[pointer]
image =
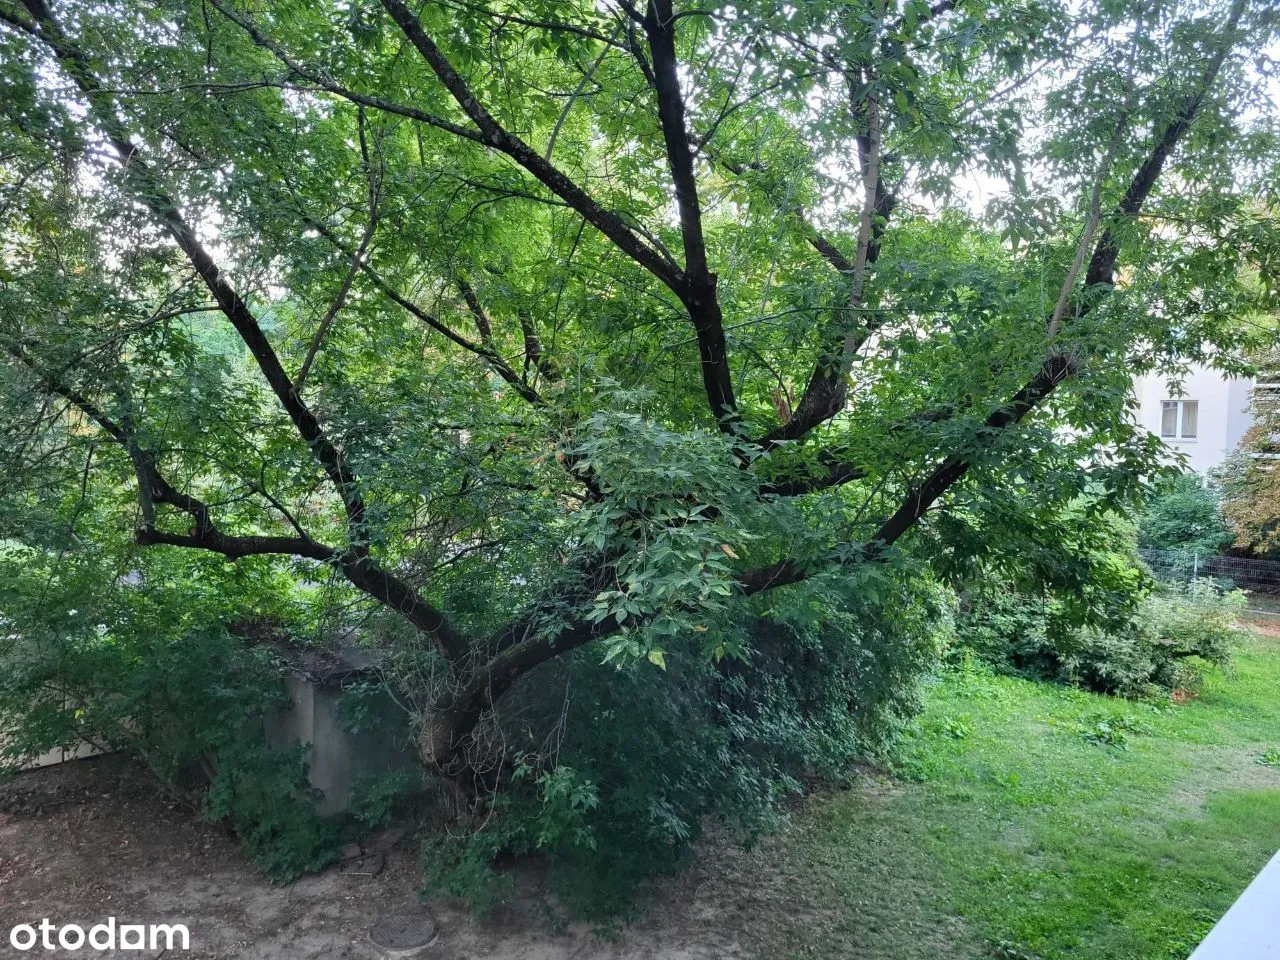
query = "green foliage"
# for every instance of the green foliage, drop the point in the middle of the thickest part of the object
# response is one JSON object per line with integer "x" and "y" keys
{"x": 362, "y": 707}
{"x": 1090, "y": 615}
{"x": 1155, "y": 648}
{"x": 643, "y": 755}
{"x": 1007, "y": 629}
{"x": 1197, "y": 619}
{"x": 267, "y": 799}
{"x": 148, "y": 664}
{"x": 380, "y": 797}
{"x": 1270, "y": 758}
{"x": 508, "y": 448}
{"x": 461, "y": 865}
{"x": 1184, "y": 514}
{"x": 1111, "y": 729}
{"x": 954, "y": 728}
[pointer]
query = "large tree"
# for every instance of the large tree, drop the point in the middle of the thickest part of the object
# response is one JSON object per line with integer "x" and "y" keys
{"x": 562, "y": 322}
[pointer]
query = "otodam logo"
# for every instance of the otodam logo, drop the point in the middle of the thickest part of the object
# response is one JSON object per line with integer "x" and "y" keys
{"x": 46, "y": 935}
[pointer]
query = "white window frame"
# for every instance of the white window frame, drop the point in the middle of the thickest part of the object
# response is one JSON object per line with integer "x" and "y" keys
{"x": 1179, "y": 423}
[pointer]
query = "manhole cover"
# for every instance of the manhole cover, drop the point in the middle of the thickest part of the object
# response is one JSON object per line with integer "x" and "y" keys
{"x": 402, "y": 934}
{"x": 370, "y": 865}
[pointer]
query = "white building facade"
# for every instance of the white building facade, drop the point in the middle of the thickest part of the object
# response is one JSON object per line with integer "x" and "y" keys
{"x": 1203, "y": 418}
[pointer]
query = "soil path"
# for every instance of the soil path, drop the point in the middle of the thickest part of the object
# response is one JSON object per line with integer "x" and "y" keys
{"x": 89, "y": 840}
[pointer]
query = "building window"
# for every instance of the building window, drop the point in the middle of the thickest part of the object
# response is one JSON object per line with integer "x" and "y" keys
{"x": 1179, "y": 419}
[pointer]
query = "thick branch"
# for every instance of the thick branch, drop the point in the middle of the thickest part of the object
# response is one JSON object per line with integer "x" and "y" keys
{"x": 493, "y": 134}
{"x": 148, "y": 191}
{"x": 699, "y": 293}
{"x": 233, "y": 548}
{"x": 358, "y": 568}
{"x": 660, "y": 30}
{"x": 834, "y": 473}
{"x": 533, "y": 357}
{"x": 483, "y": 326}
{"x": 697, "y": 288}
{"x": 1101, "y": 277}
{"x": 1094, "y": 217}
{"x": 1057, "y": 368}
{"x": 825, "y": 393}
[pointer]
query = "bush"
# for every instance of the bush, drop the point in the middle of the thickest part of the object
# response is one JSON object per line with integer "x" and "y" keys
{"x": 191, "y": 709}
{"x": 607, "y": 772}
{"x": 1186, "y": 514}
{"x": 641, "y": 756}
{"x": 1158, "y": 648}
{"x": 1008, "y": 630}
{"x": 1198, "y": 619}
{"x": 150, "y": 665}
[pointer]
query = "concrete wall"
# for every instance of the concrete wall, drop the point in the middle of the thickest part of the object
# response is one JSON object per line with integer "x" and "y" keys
{"x": 339, "y": 758}
{"x": 1239, "y": 416}
{"x": 62, "y": 755}
{"x": 1223, "y": 414}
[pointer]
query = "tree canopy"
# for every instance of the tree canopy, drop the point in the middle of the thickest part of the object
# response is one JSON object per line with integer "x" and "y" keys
{"x": 545, "y": 324}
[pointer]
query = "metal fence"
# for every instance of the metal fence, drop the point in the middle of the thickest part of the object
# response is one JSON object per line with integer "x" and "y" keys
{"x": 1260, "y": 579}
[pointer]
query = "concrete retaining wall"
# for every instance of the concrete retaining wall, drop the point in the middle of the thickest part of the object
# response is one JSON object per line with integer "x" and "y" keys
{"x": 314, "y": 718}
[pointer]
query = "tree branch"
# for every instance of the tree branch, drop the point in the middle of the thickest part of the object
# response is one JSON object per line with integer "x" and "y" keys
{"x": 328, "y": 84}
{"x": 834, "y": 473}
{"x": 357, "y": 566}
{"x": 483, "y": 326}
{"x": 696, "y": 289}
{"x": 552, "y": 26}
{"x": 494, "y": 135}
{"x": 698, "y": 293}
{"x": 533, "y": 350}
{"x": 573, "y": 98}
{"x": 1094, "y": 216}
{"x": 817, "y": 239}
{"x": 483, "y": 350}
{"x": 357, "y": 260}
{"x": 1059, "y": 366}
{"x": 233, "y": 548}
{"x": 827, "y": 390}
{"x": 148, "y": 191}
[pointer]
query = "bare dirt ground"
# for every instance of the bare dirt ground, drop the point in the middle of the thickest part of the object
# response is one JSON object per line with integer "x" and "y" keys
{"x": 91, "y": 839}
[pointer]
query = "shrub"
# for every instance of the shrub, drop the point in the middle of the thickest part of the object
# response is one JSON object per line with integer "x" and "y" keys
{"x": 151, "y": 666}
{"x": 1009, "y": 630}
{"x": 641, "y": 756}
{"x": 1185, "y": 514}
{"x": 191, "y": 709}
{"x": 607, "y": 772}
{"x": 1250, "y": 483}
{"x": 266, "y": 798}
{"x": 1198, "y": 619}
{"x": 1155, "y": 648}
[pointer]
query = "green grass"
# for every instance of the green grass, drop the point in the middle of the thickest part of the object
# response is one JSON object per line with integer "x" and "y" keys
{"x": 1032, "y": 820}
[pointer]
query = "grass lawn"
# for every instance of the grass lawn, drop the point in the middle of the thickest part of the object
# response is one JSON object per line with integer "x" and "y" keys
{"x": 1036, "y": 821}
